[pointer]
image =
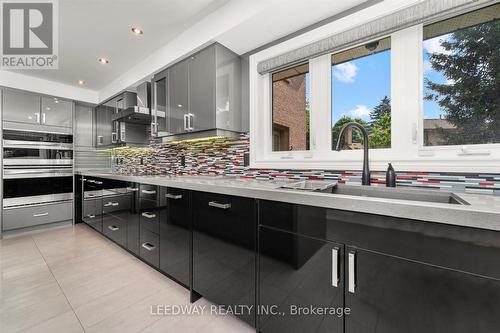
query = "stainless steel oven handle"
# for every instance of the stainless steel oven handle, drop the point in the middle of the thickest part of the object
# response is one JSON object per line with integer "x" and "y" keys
{"x": 40, "y": 214}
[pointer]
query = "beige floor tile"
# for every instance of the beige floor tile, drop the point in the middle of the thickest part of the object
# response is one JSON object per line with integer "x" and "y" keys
{"x": 66, "y": 322}
{"x": 138, "y": 316}
{"x": 227, "y": 324}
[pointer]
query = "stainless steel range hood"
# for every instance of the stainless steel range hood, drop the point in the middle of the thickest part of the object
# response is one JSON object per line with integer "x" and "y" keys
{"x": 139, "y": 113}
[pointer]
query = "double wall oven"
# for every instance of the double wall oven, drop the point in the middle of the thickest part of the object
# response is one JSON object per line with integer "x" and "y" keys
{"x": 37, "y": 178}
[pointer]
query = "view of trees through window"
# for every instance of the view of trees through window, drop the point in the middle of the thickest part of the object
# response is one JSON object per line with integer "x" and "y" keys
{"x": 461, "y": 79}
{"x": 361, "y": 90}
{"x": 290, "y": 109}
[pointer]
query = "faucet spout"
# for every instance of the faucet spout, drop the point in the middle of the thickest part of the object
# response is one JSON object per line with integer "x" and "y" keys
{"x": 365, "y": 178}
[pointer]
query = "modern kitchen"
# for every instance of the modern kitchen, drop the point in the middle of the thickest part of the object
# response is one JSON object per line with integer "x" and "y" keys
{"x": 267, "y": 166}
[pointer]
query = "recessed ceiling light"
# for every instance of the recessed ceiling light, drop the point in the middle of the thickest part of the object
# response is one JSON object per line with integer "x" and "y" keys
{"x": 81, "y": 82}
{"x": 137, "y": 31}
{"x": 103, "y": 61}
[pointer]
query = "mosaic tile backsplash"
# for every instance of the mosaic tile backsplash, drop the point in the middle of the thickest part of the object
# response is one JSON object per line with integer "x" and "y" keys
{"x": 225, "y": 156}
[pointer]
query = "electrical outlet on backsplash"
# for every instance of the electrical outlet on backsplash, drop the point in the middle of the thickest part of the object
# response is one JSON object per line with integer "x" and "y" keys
{"x": 226, "y": 156}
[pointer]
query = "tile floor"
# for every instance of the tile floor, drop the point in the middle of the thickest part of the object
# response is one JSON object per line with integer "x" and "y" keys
{"x": 72, "y": 279}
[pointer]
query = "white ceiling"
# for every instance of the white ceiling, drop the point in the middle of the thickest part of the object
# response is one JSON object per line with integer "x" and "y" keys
{"x": 90, "y": 29}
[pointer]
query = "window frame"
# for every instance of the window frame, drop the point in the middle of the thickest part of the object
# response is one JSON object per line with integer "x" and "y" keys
{"x": 407, "y": 151}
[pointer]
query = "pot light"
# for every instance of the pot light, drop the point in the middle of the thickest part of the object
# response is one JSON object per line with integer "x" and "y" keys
{"x": 137, "y": 31}
{"x": 81, "y": 82}
{"x": 103, "y": 61}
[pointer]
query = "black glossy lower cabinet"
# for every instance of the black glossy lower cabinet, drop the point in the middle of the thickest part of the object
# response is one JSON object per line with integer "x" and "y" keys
{"x": 92, "y": 202}
{"x": 175, "y": 233}
{"x": 393, "y": 295}
{"x": 224, "y": 256}
{"x": 149, "y": 227}
{"x": 296, "y": 273}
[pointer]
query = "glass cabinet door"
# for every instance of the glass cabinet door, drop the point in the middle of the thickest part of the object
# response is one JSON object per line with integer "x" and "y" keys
{"x": 159, "y": 125}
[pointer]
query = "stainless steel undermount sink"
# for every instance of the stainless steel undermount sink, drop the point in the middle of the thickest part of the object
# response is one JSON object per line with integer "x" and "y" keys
{"x": 400, "y": 194}
{"x": 310, "y": 185}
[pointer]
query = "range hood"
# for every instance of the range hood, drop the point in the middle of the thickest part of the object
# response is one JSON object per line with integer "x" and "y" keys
{"x": 139, "y": 113}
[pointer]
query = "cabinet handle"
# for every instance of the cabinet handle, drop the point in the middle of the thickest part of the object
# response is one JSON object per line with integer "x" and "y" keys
{"x": 91, "y": 216}
{"x": 40, "y": 214}
{"x": 148, "y": 246}
{"x": 186, "y": 122}
{"x": 90, "y": 180}
{"x": 37, "y": 116}
{"x": 219, "y": 205}
{"x": 335, "y": 267}
{"x": 43, "y": 118}
{"x": 148, "y": 215}
{"x": 191, "y": 121}
{"x": 352, "y": 272}
{"x": 98, "y": 182}
{"x": 148, "y": 191}
{"x": 114, "y": 137}
{"x": 100, "y": 140}
{"x": 113, "y": 228}
{"x": 173, "y": 196}
{"x": 111, "y": 203}
{"x": 153, "y": 129}
{"x": 133, "y": 189}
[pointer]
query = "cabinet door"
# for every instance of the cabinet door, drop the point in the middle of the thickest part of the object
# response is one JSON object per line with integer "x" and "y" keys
{"x": 56, "y": 112}
{"x": 224, "y": 256}
{"x": 178, "y": 95}
{"x": 132, "y": 218}
{"x": 175, "y": 234}
{"x": 84, "y": 126}
{"x": 202, "y": 90}
{"x": 92, "y": 203}
{"x": 299, "y": 272}
{"x": 392, "y": 295}
{"x": 160, "y": 103}
{"x": 21, "y": 107}
{"x": 104, "y": 125}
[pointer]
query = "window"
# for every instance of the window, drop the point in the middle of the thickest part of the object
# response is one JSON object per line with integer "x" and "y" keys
{"x": 361, "y": 92}
{"x": 290, "y": 109}
{"x": 461, "y": 88}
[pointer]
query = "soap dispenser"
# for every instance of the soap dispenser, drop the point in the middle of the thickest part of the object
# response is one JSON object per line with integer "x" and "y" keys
{"x": 390, "y": 177}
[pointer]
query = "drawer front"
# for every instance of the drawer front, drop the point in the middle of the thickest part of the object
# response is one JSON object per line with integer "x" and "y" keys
{"x": 116, "y": 203}
{"x": 23, "y": 217}
{"x": 149, "y": 247}
{"x": 115, "y": 228}
{"x": 150, "y": 220}
{"x": 145, "y": 204}
{"x": 92, "y": 207}
{"x": 149, "y": 192}
{"x": 225, "y": 217}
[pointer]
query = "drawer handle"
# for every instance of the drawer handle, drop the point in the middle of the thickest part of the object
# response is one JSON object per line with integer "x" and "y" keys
{"x": 173, "y": 196}
{"x": 111, "y": 203}
{"x": 352, "y": 272}
{"x": 113, "y": 228}
{"x": 148, "y": 215}
{"x": 133, "y": 189}
{"x": 40, "y": 214}
{"x": 90, "y": 180}
{"x": 148, "y": 191}
{"x": 148, "y": 246}
{"x": 98, "y": 183}
{"x": 219, "y": 205}
{"x": 91, "y": 216}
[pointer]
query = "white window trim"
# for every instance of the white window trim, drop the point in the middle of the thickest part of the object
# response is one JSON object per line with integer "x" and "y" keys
{"x": 407, "y": 151}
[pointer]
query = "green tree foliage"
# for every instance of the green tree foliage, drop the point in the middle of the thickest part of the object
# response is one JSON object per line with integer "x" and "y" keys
{"x": 380, "y": 132}
{"x": 472, "y": 101}
{"x": 383, "y": 108}
{"x": 356, "y": 134}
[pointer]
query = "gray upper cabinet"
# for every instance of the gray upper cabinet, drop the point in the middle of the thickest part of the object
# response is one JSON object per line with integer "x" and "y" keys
{"x": 21, "y": 107}
{"x": 160, "y": 120}
{"x": 84, "y": 126}
{"x": 199, "y": 93}
{"x": 104, "y": 125}
{"x": 202, "y": 90}
{"x": 56, "y": 112}
{"x": 45, "y": 112}
{"x": 179, "y": 97}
